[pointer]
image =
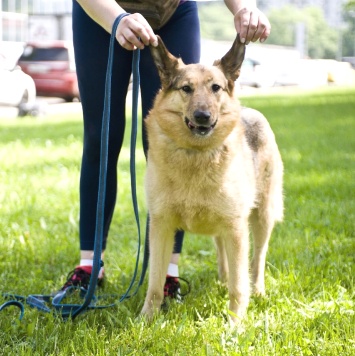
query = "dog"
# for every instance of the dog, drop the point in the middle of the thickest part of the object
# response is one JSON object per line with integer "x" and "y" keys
{"x": 213, "y": 168}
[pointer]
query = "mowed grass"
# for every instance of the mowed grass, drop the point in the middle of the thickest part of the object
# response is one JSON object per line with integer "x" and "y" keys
{"x": 309, "y": 307}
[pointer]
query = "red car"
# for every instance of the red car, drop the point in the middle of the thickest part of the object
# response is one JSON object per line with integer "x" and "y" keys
{"x": 52, "y": 67}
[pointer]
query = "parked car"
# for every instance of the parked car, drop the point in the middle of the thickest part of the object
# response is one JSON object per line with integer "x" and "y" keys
{"x": 16, "y": 88}
{"x": 52, "y": 66}
{"x": 255, "y": 74}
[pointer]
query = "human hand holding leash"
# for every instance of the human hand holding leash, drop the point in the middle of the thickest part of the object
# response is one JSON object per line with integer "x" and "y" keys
{"x": 134, "y": 32}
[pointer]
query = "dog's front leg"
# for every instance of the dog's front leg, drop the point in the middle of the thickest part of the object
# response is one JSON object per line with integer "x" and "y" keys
{"x": 161, "y": 241}
{"x": 237, "y": 249}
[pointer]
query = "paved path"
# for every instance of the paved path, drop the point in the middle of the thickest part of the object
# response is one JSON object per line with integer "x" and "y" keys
{"x": 47, "y": 106}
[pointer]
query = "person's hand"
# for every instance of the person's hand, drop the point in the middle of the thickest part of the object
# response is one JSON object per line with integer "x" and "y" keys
{"x": 252, "y": 25}
{"x": 135, "y": 32}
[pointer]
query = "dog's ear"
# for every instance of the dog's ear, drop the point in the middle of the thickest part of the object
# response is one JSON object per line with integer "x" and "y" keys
{"x": 231, "y": 62}
{"x": 165, "y": 62}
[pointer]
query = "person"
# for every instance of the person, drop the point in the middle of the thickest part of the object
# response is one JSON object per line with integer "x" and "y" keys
{"x": 92, "y": 24}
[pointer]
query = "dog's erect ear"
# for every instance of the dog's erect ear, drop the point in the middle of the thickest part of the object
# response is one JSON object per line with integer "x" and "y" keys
{"x": 165, "y": 62}
{"x": 232, "y": 61}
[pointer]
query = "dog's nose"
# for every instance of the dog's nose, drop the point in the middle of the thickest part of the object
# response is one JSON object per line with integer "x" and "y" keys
{"x": 202, "y": 116}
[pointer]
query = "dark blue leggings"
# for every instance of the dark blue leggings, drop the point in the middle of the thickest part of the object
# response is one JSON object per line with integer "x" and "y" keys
{"x": 91, "y": 42}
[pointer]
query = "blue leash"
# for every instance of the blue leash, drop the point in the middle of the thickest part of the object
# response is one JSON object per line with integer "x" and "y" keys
{"x": 15, "y": 303}
{"x": 73, "y": 310}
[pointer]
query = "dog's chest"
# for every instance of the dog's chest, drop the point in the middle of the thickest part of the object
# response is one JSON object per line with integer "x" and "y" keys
{"x": 201, "y": 195}
{"x": 199, "y": 218}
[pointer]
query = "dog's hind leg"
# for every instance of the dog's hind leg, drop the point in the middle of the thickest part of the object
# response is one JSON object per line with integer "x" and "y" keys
{"x": 222, "y": 260}
{"x": 261, "y": 225}
{"x": 237, "y": 250}
{"x": 161, "y": 241}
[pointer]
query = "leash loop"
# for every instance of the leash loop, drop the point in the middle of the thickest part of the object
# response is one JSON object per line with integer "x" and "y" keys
{"x": 15, "y": 303}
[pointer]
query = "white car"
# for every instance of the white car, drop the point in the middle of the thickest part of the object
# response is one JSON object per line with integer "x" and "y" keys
{"x": 255, "y": 74}
{"x": 16, "y": 88}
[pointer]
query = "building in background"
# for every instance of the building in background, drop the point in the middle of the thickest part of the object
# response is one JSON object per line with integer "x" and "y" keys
{"x": 32, "y": 20}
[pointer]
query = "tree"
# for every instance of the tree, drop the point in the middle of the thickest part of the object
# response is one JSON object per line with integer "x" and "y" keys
{"x": 321, "y": 38}
{"x": 216, "y": 21}
{"x": 349, "y": 32}
{"x": 350, "y": 5}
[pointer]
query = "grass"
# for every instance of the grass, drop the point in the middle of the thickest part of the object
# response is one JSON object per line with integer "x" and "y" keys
{"x": 309, "y": 308}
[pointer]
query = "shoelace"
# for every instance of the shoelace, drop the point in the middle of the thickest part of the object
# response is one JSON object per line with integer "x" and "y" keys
{"x": 172, "y": 287}
{"x": 77, "y": 277}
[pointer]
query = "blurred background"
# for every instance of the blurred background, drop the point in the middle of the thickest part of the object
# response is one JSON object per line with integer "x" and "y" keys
{"x": 312, "y": 44}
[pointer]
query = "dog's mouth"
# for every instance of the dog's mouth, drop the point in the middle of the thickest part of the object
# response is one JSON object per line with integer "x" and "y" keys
{"x": 202, "y": 130}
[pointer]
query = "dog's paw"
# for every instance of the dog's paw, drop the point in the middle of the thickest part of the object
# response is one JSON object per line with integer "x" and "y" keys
{"x": 149, "y": 310}
{"x": 235, "y": 322}
{"x": 259, "y": 290}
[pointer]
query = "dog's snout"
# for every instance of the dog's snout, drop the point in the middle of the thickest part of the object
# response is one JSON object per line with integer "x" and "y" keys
{"x": 202, "y": 116}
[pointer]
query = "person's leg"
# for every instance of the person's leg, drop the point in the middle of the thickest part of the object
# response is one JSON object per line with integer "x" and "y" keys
{"x": 182, "y": 37}
{"x": 91, "y": 45}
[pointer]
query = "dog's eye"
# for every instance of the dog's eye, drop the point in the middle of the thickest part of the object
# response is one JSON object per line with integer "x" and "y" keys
{"x": 186, "y": 89}
{"x": 215, "y": 88}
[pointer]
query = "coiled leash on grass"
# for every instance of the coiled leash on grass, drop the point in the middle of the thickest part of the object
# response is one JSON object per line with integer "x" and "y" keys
{"x": 15, "y": 303}
{"x": 47, "y": 303}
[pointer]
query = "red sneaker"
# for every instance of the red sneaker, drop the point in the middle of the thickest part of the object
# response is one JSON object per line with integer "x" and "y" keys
{"x": 80, "y": 277}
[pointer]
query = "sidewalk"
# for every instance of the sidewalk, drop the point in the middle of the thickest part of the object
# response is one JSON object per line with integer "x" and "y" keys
{"x": 47, "y": 106}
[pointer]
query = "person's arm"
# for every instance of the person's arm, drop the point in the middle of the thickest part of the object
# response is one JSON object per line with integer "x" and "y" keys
{"x": 104, "y": 12}
{"x": 249, "y": 21}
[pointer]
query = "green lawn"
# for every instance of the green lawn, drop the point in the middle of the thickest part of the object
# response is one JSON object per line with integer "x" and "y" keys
{"x": 309, "y": 308}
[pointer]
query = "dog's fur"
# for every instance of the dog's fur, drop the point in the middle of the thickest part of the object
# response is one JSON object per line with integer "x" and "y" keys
{"x": 213, "y": 168}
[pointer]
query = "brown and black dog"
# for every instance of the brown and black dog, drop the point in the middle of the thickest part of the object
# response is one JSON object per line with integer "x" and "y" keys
{"x": 214, "y": 168}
